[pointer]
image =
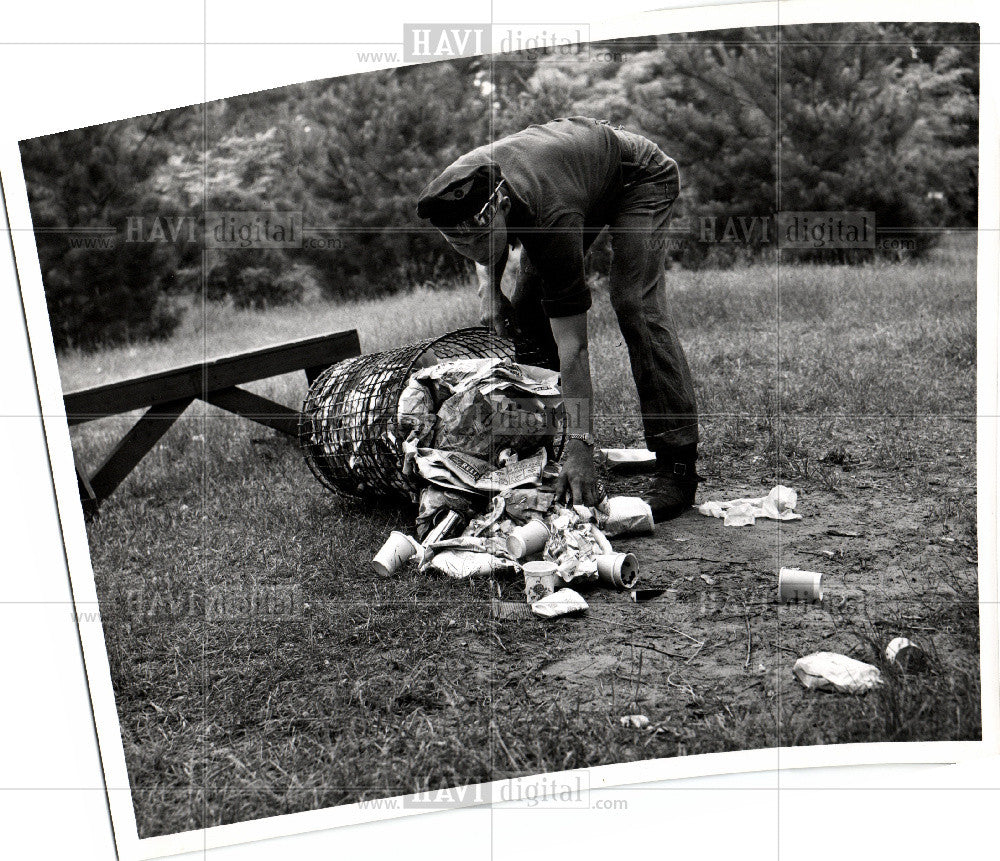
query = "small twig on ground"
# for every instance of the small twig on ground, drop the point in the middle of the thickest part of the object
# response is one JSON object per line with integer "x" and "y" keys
{"x": 679, "y": 657}
{"x": 746, "y": 612}
{"x": 638, "y": 682}
{"x": 678, "y": 631}
{"x": 505, "y": 749}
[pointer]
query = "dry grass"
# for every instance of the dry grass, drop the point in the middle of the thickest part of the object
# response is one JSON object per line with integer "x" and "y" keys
{"x": 855, "y": 384}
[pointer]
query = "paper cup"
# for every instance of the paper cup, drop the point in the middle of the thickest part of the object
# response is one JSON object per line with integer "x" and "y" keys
{"x": 540, "y": 579}
{"x": 394, "y": 553}
{"x": 796, "y": 585}
{"x": 527, "y": 540}
{"x": 620, "y": 570}
{"x": 906, "y": 655}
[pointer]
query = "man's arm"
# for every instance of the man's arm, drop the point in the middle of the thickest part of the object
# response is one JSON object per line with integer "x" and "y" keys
{"x": 578, "y": 474}
{"x": 557, "y": 254}
{"x": 494, "y": 309}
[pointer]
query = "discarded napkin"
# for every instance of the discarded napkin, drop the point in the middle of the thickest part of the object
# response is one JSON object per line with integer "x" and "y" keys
{"x": 779, "y": 504}
{"x": 559, "y": 603}
{"x": 830, "y": 671}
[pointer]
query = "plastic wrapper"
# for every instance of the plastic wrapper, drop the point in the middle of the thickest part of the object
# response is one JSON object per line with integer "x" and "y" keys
{"x": 626, "y": 515}
{"x": 825, "y": 671}
{"x": 561, "y": 603}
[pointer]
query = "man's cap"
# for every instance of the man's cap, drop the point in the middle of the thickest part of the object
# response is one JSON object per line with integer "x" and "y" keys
{"x": 459, "y": 192}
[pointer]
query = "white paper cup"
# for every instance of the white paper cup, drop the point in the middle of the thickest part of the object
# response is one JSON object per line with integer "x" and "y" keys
{"x": 620, "y": 570}
{"x": 540, "y": 579}
{"x": 795, "y": 585}
{"x": 905, "y": 654}
{"x": 394, "y": 553}
{"x": 527, "y": 540}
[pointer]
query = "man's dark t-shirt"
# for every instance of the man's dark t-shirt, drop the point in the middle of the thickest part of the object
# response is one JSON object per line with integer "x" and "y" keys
{"x": 564, "y": 178}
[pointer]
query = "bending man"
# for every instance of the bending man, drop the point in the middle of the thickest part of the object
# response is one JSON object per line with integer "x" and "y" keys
{"x": 555, "y": 187}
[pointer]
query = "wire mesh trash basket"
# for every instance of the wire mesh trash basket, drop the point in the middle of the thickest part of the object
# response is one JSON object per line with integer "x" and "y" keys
{"x": 347, "y": 426}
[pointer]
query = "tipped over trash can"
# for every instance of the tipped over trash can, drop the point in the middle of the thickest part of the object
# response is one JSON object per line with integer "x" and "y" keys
{"x": 350, "y": 429}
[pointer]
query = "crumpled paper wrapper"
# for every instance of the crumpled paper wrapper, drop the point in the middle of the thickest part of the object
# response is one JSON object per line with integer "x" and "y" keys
{"x": 561, "y": 603}
{"x": 779, "y": 504}
{"x": 829, "y": 671}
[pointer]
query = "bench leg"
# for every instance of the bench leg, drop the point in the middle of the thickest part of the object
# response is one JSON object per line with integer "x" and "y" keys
{"x": 87, "y": 496}
{"x": 313, "y": 373}
{"x": 257, "y": 409}
{"x": 134, "y": 446}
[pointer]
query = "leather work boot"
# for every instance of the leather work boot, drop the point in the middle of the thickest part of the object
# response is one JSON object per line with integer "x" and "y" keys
{"x": 676, "y": 482}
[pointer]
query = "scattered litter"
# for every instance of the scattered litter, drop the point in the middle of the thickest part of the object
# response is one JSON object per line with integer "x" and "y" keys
{"x": 779, "y": 504}
{"x": 620, "y": 570}
{"x": 906, "y": 655}
{"x": 474, "y": 443}
{"x": 638, "y": 596}
{"x": 527, "y": 540}
{"x": 830, "y": 671}
{"x": 708, "y": 580}
{"x": 628, "y": 460}
{"x": 634, "y": 721}
{"x": 541, "y": 579}
{"x": 626, "y": 515}
{"x": 682, "y": 538}
{"x": 795, "y": 585}
{"x": 843, "y": 533}
{"x": 462, "y": 564}
{"x": 560, "y": 603}
{"x": 396, "y": 551}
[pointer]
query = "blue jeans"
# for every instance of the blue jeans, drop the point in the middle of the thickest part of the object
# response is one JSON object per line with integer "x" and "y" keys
{"x": 638, "y": 231}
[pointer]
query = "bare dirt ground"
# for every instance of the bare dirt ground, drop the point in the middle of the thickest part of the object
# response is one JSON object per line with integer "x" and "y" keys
{"x": 715, "y": 651}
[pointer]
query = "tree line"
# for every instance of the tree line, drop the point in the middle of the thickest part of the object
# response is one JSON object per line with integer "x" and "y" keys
{"x": 874, "y": 117}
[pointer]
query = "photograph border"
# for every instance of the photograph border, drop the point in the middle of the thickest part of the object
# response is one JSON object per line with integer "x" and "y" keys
{"x": 81, "y": 575}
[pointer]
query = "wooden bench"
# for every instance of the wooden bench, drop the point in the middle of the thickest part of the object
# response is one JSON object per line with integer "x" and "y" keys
{"x": 166, "y": 395}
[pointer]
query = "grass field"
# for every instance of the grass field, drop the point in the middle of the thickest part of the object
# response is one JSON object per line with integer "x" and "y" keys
{"x": 855, "y": 385}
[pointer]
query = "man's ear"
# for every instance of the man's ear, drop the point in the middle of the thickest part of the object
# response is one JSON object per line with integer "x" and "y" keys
{"x": 504, "y": 204}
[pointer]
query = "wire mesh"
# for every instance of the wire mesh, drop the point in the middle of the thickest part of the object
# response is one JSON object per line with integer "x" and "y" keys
{"x": 347, "y": 425}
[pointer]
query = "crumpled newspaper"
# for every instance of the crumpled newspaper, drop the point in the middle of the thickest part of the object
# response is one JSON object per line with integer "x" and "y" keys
{"x": 779, "y": 504}
{"x": 458, "y": 471}
{"x": 478, "y": 404}
{"x": 825, "y": 671}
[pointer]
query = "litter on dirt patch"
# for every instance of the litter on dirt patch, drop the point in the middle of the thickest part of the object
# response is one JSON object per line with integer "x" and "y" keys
{"x": 634, "y": 721}
{"x": 829, "y": 671}
{"x": 561, "y": 603}
{"x": 779, "y": 504}
{"x": 795, "y": 585}
{"x": 906, "y": 655}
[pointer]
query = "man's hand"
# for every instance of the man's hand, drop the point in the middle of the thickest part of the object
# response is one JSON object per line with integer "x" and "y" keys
{"x": 497, "y": 313}
{"x": 578, "y": 477}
